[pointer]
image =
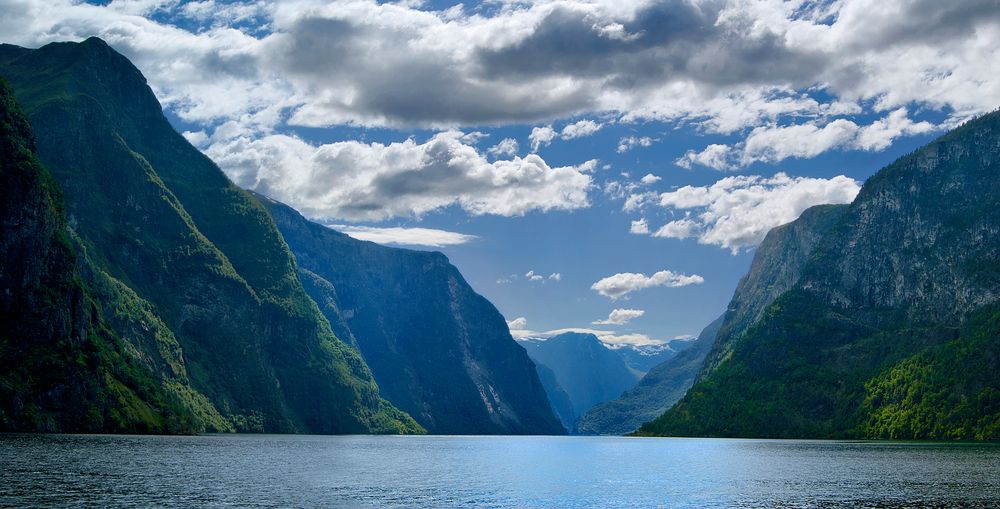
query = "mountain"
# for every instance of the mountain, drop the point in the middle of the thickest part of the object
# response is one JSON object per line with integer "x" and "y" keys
{"x": 584, "y": 368}
{"x": 664, "y": 385}
{"x": 188, "y": 270}
{"x": 438, "y": 350}
{"x": 642, "y": 358}
{"x": 562, "y": 405}
{"x": 62, "y": 366}
{"x": 890, "y": 328}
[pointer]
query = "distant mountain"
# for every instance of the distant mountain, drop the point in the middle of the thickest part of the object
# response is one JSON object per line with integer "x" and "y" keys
{"x": 584, "y": 368}
{"x": 655, "y": 393}
{"x": 438, "y": 350}
{"x": 880, "y": 319}
{"x": 183, "y": 310}
{"x": 641, "y": 358}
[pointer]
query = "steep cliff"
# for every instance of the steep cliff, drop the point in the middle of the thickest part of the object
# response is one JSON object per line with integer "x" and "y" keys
{"x": 854, "y": 348}
{"x": 202, "y": 256}
{"x": 438, "y": 350}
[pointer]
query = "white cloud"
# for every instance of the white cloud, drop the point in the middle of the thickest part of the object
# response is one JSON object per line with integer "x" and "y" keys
{"x": 609, "y": 338}
{"x": 804, "y": 141}
{"x": 580, "y": 129}
{"x": 620, "y": 317}
{"x": 506, "y": 147}
{"x": 535, "y": 277}
{"x": 405, "y": 236}
{"x": 541, "y": 136}
{"x": 650, "y": 179}
{"x": 629, "y": 142}
{"x": 370, "y": 182}
{"x": 783, "y": 75}
{"x": 737, "y": 65}
{"x": 736, "y": 212}
{"x": 624, "y": 283}
{"x": 518, "y": 323}
{"x": 639, "y": 227}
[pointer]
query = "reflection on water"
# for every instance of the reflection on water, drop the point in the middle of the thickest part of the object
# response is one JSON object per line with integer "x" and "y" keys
{"x": 364, "y": 471}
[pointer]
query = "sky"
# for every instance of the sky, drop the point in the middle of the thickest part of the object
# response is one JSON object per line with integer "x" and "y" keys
{"x": 603, "y": 165}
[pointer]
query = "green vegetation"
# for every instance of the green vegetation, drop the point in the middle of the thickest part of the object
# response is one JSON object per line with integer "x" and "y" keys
{"x": 948, "y": 392}
{"x": 188, "y": 270}
{"x": 887, "y": 321}
{"x": 62, "y": 367}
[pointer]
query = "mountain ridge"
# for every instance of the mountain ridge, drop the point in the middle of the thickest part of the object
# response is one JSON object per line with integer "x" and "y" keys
{"x": 203, "y": 254}
{"x": 909, "y": 273}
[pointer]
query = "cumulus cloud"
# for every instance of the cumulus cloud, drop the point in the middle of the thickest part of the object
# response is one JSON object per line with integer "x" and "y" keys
{"x": 639, "y": 227}
{"x": 726, "y": 65}
{"x": 543, "y": 136}
{"x": 405, "y": 236}
{"x": 629, "y": 142}
{"x": 649, "y": 179}
{"x": 736, "y": 212}
{"x": 507, "y": 147}
{"x": 784, "y": 75}
{"x": 776, "y": 143}
{"x": 620, "y": 317}
{"x": 620, "y": 285}
{"x": 580, "y": 129}
{"x": 370, "y": 182}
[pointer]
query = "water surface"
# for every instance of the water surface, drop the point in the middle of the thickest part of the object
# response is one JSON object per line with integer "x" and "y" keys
{"x": 606, "y": 472}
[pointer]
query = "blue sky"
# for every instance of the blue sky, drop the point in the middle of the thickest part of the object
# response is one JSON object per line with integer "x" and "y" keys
{"x": 638, "y": 149}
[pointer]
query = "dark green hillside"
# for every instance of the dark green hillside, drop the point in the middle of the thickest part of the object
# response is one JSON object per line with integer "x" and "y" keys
{"x": 62, "y": 366}
{"x": 156, "y": 215}
{"x": 889, "y": 329}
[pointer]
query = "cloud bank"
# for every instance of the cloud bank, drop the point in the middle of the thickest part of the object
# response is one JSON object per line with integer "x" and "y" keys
{"x": 620, "y": 285}
{"x": 737, "y": 212}
{"x": 405, "y": 236}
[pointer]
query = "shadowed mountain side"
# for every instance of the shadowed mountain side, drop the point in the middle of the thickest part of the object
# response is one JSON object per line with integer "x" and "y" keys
{"x": 438, "y": 350}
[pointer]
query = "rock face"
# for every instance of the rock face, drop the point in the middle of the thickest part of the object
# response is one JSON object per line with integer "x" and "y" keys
{"x": 584, "y": 368}
{"x": 191, "y": 272}
{"x": 62, "y": 367}
{"x": 776, "y": 267}
{"x": 655, "y": 393}
{"x": 438, "y": 350}
{"x": 895, "y": 287}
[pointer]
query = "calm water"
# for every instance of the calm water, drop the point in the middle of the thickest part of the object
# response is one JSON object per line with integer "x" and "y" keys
{"x": 362, "y": 471}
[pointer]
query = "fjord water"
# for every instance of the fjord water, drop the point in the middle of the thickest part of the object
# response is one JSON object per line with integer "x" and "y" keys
{"x": 430, "y": 471}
